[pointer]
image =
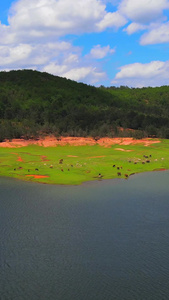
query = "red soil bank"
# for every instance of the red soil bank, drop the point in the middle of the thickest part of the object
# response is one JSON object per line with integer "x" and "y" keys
{"x": 51, "y": 141}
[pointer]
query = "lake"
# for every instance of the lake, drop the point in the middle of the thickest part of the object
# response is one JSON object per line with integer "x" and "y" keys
{"x": 102, "y": 240}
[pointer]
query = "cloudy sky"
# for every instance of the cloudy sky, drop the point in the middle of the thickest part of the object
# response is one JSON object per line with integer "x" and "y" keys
{"x": 98, "y": 42}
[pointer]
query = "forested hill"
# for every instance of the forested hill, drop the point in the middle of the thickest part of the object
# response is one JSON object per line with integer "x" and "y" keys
{"x": 34, "y": 103}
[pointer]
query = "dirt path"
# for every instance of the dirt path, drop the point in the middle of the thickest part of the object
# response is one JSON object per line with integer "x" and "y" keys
{"x": 120, "y": 149}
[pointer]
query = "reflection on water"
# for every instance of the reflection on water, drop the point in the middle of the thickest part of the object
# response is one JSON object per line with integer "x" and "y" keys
{"x": 102, "y": 240}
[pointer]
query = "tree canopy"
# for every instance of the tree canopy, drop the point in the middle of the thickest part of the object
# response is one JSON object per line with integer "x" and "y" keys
{"x": 34, "y": 103}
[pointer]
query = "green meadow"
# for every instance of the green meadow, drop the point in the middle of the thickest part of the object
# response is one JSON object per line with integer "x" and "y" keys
{"x": 77, "y": 164}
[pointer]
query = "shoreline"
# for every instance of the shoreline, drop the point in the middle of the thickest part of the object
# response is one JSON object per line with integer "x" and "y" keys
{"x": 84, "y": 183}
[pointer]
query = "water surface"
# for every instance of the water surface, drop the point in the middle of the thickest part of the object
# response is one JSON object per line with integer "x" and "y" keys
{"x": 102, "y": 240}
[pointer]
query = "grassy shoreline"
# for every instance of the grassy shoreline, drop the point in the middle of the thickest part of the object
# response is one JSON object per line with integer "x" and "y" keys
{"x": 73, "y": 165}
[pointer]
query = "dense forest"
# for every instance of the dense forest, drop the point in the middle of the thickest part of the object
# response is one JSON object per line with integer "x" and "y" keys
{"x": 34, "y": 103}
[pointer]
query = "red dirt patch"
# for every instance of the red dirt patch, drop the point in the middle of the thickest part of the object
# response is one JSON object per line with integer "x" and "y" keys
{"x": 44, "y": 158}
{"x": 51, "y": 141}
{"x": 37, "y": 176}
{"x": 20, "y": 159}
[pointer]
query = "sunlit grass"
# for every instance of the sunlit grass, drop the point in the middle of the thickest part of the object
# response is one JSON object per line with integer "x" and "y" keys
{"x": 81, "y": 163}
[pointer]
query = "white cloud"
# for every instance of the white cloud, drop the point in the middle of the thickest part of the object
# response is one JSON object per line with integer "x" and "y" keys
{"x": 84, "y": 74}
{"x": 26, "y": 54}
{"x": 30, "y": 20}
{"x": 157, "y": 34}
{"x": 114, "y": 19}
{"x": 55, "y": 68}
{"x": 32, "y": 36}
{"x": 143, "y": 15}
{"x": 60, "y": 58}
{"x": 99, "y": 52}
{"x": 144, "y": 11}
{"x": 35, "y": 29}
{"x": 12, "y": 55}
{"x": 134, "y": 27}
{"x": 73, "y": 67}
{"x": 146, "y": 15}
{"x": 155, "y": 73}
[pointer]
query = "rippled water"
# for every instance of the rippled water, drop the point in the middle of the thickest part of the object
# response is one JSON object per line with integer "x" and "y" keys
{"x": 102, "y": 240}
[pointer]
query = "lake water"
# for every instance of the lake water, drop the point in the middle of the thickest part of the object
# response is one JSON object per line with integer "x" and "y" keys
{"x": 103, "y": 240}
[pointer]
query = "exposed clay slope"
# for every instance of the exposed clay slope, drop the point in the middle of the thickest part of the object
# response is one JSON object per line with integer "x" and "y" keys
{"x": 51, "y": 141}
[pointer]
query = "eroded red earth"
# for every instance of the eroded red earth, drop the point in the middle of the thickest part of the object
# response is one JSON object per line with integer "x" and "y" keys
{"x": 51, "y": 141}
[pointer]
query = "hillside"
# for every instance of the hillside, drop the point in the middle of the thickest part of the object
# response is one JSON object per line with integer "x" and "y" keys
{"x": 34, "y": 103}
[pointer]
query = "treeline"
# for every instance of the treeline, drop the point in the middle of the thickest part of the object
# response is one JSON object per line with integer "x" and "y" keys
{"x": 34, "y": 103}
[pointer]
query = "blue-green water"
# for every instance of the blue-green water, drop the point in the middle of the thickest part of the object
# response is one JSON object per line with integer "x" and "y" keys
{"x": 99, "y": 241}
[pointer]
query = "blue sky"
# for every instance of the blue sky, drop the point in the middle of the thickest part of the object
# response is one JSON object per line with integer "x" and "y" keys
{"x": 98, "y": 42}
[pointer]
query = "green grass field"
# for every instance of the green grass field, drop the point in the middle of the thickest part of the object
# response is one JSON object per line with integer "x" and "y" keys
{"x": 81, "y": 163}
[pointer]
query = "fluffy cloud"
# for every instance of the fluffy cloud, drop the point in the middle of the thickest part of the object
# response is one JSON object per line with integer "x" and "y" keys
{"x": 72, "y": 67}
{"x": 143, "y": 11}
{"x": 134, "y": 27}
{"x": 13, "y": 55}
{"x": 149, "y": 16}
{"x": 31, "y": 20}
{"x": 32, "y": 38}
{"x": 99, "y": 52}
{"x": 155, "y": 73}
{"x": 84, "y": 74}
{"x": 157, "y": 34}
{"x": 114, "y": 19}
{"x": 53, "y": 17}
{"x": 25, "y": 54}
